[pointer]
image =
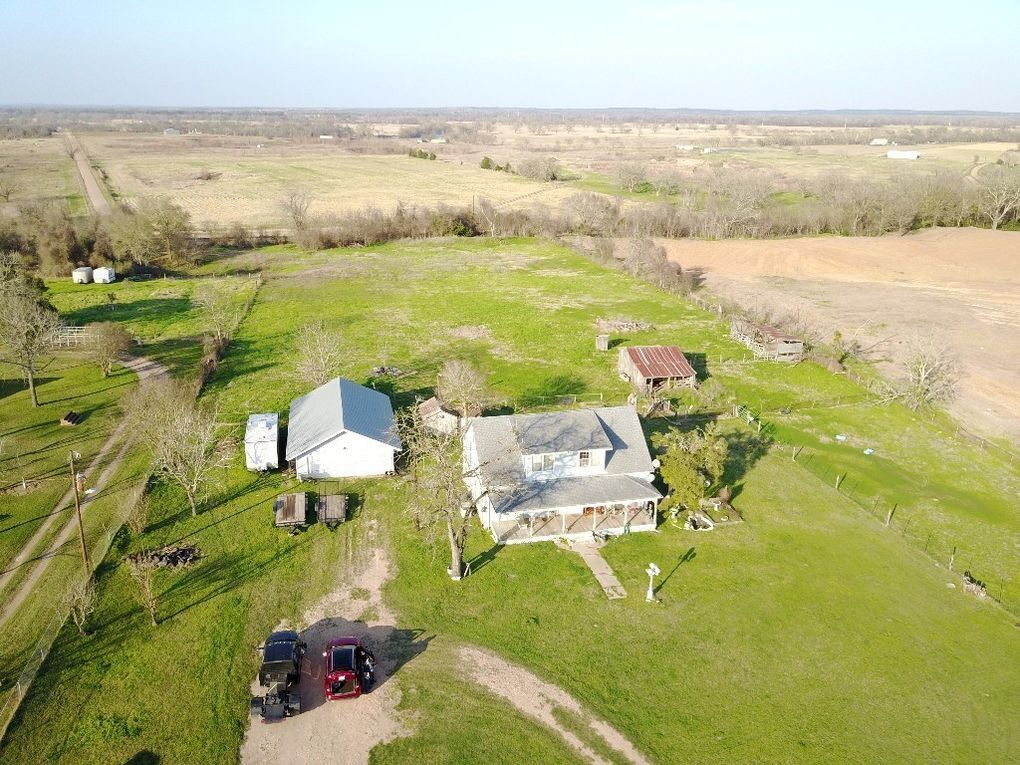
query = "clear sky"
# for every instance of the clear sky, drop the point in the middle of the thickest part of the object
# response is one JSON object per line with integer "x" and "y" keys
{"x": 725, "y": 54}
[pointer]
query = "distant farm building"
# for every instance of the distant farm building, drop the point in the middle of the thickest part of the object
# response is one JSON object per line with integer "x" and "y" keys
{"x": 340, "y": 430}
{"x": 650, "y": 367}
{"x": 879, "y": 142}
{"x": 82, "y": 275}
{"x": 104, "y": 275}
{"x": 171, "y": 131}
{"x": 767, "y": 342}
{"x": 685, "y": 147}
{"x": 900, "y": 154}
{"x": 261, "y": 442}
{"x": 325, "y": 138}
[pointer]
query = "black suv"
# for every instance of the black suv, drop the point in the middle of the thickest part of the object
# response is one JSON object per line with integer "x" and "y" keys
{"x": 281, "y": 659}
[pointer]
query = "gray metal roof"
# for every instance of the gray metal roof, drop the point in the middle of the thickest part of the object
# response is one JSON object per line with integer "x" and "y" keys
{"x": 575, "y": 492}
{"x": 339, "y": 405}
{"x": 554, "y": 432}
{"x": 615, "y": 428}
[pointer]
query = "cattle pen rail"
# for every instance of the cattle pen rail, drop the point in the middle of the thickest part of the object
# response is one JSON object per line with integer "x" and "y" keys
{"x": 70, "y": 337}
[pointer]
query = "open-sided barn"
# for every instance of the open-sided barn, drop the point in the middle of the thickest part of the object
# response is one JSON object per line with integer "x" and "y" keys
{"x": 649, "y": 367}
{"x": 767, "y": 342}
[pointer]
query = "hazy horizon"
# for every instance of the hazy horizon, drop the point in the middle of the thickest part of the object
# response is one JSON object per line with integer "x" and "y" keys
{"x": 785, "y": 55}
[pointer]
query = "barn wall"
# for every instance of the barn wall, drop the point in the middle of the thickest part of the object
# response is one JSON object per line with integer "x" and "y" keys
{"x": 347, "y": 455}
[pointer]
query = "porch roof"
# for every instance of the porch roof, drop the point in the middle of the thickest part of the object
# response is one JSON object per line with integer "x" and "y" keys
{"x": 581, "y": 491}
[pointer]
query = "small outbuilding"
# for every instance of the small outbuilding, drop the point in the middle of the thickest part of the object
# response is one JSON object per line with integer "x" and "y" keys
{"x": 650, "y": 367}
{"x": 879, "y": 142}
{"x": 261, "y": 442}
{"x": 104, "y": 275}
{"x": 82, "y": 275}
{"x": 437, "y": 417}
{"x": 341, "y": 430}
{"x": 767, "y": 342}
{"x": 901, "y": 154}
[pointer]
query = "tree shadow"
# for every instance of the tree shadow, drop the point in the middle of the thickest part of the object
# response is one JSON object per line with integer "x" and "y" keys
{"x": 9, "y": 387}
{"x": 552, "y": 389}
{"x": 144, "y": 757}
{"x": 156, "y": 310}
{"x": 745, "y": 449}
{"x": 483, "y": 559}
{"x": 393, "y": 648}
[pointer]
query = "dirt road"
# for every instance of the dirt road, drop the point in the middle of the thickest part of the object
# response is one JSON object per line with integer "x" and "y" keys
{"x": 963, "y": 285}
{"x": 146, "y": 369}
{"x": 93, "y": 191}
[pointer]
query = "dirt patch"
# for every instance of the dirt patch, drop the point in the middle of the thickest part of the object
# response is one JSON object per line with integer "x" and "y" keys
{"x": 472, "y": 332}
{"x": 341, "y": 731}
{"x": 963, "y": 284}
{"x": 538, "y": 699}
{"x": 621, "y": 325}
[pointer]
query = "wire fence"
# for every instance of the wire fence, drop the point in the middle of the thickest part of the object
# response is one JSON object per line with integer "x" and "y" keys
{"x": 902, "y": 518}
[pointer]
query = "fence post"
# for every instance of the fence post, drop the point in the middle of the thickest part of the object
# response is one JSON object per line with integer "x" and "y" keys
{"x": 888, "y": 517}
{"x": 952, "y": 558}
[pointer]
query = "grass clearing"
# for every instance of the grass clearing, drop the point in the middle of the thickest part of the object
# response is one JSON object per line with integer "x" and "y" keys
{"x": 808, "y": 633}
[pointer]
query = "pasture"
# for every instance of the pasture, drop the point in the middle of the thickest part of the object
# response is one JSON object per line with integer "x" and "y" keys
{"x": 808, "y": 633}
{"x": 37, "y": 170}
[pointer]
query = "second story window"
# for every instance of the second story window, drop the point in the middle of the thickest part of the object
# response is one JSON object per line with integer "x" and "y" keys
{"x": 584, "y": 459}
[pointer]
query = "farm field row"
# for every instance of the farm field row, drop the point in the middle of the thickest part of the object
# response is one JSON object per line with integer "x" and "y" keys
{"x": 809, "y": 617}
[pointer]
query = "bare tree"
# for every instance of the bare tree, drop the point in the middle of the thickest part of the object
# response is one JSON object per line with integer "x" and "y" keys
{"x": 439, "y": 502}
{"x": 631, "y": 175}
{"x": 461, "y": 387}
{"x": 933, "y": 374}
{"x": 7, "y": 187}
{"x": 1000, "y": 197}
{"x": 220, "y": 309}
{"x": 27, "y": 327}
{"x": 142, "y": 569}
{"x": 184, "y": 438}
{"x": 321, "y": 353}
{"x": 295, "y": 206}
{"x": 594, "y": 214}
{"x": 81, "y": 601}
{"x": 138, "y": 514}
{"x": 107, "y": 342}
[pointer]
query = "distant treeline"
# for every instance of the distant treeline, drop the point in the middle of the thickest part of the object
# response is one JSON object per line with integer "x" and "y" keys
{"x": 474, "y": 125}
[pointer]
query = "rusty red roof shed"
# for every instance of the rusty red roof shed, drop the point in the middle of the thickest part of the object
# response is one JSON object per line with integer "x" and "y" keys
{"x": 660, "y": 361}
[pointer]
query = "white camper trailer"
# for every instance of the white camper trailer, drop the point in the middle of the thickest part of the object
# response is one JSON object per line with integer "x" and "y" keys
{"x": 104, "y": 275}
{"x": 82, "y": 275}
{"x": 261, "y": 451}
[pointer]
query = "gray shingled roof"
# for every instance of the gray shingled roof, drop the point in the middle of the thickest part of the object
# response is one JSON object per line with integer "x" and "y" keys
{"x": 339, "y": 405}
{"x": 500, "y": 453}
{"x": 575, "y": 492}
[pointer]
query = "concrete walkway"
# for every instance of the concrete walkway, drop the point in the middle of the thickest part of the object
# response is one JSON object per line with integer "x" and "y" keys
{"x": 145, "y": 369}
{"x": 589, "y": 552}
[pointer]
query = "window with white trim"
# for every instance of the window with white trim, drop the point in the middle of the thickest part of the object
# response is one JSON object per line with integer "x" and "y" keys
{"x": 584, "y": 459}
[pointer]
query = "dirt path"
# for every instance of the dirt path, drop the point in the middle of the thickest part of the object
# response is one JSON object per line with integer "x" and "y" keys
{"x": 88, "y": 178}
{"x": 537, "y": 699}
{"x": 145, "y": 369}
{"x": 345, "y": 731}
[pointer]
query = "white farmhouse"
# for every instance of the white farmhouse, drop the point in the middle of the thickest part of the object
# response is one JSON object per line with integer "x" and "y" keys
{"x": 340, "y": 430}
{"x": 573, "y": 474}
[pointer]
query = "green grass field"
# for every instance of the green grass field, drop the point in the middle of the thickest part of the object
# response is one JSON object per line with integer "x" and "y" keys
{"x": 810, "y": 633}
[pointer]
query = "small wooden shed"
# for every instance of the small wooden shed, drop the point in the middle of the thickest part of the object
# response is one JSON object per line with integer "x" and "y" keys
{"x": 650, "y": 367}
{"x": 438, "y": 418}
{"x": 767, "y": 342}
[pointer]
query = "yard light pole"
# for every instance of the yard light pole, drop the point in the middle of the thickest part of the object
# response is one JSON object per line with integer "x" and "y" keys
{"x": 78, "y": 483}
{"x": 652, "y": 571}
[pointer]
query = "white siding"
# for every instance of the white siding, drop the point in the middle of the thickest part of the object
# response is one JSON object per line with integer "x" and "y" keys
{"x": 347, "y": 455}
{"x": 566, "y": 464}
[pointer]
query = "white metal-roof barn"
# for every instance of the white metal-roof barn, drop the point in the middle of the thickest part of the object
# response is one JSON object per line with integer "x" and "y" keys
{"x": 340, "y": 430}
{"x": 261, "y": 442}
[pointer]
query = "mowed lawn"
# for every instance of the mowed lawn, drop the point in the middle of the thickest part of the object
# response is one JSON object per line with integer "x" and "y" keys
{"x": 809, "y": 633}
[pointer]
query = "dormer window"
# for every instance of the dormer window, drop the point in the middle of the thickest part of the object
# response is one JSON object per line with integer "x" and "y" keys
{"x": 541, "y": 462}
{"x": 584, "y": 459}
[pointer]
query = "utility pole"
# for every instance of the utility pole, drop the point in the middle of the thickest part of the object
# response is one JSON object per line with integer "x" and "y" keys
{"x": 75, "y": 479}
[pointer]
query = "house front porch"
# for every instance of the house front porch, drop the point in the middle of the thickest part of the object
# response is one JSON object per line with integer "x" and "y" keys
{"x": 575, "y": 523}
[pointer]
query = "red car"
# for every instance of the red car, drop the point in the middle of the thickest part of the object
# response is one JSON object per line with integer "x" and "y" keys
{"x": 348, "y": 668}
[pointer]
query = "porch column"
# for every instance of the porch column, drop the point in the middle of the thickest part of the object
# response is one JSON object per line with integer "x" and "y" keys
{"x": 563, "y": 522}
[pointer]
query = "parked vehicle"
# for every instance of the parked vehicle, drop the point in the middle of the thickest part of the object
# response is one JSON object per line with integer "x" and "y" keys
{"x": 281, "y": 659}
{"x": 350, "y": 669}
{"x": 282, "y": 654}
